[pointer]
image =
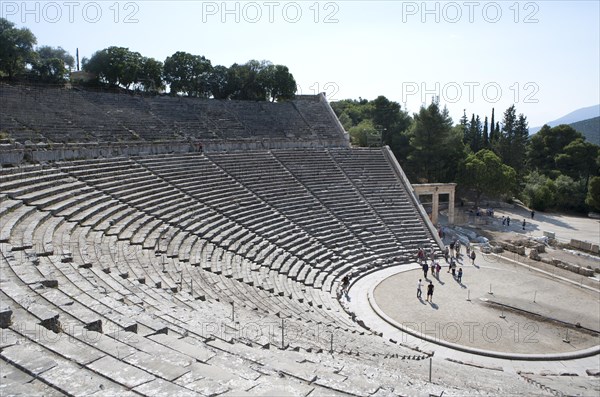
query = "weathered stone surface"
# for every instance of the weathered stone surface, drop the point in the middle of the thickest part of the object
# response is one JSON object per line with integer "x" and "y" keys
{"x": 8, "y": 338}
{"x": 518, "y": 249}
{"x": 158, "y": 365}
{"x": 187, "y": 346}
{"x": 593, "y": 372}
{"x": 161, "y": 388}
{"x": 533, "y": 254}
{"x": 121, "y": 372}
{"x": 586, "y": 272}
{"x": 28, "y": 357}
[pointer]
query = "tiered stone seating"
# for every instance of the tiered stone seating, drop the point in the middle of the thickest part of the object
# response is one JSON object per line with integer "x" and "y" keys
{"x": 264, "y": 175}
{"x": 59, "y": 115}
{"x": 373, "y": 176}
{"x": 131, "y": 112}
{"x": 322, "y": 122}
{"x": 328, "y": 183}
{"x": 237, "y": 208}
{"x": 200, "y": 274}
{"x": 129, "y": 291}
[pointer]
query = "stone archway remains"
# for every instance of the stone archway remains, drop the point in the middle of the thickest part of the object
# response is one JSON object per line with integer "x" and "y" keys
{"x": 435, "y": 189}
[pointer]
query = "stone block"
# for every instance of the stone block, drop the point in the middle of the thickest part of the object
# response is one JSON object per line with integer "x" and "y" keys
{"x": 533, "y": 254}
{"x": 95, "y": 326}
{"x": 586, "y": 271}
{"x": 5, "y": 317}
{"x": 593, "y": 372}
{"x": 50, "y": 283}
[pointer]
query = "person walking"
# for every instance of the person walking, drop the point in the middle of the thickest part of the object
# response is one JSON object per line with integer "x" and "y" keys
{"x": 419, "y": 285}
{"x": 473, "y": 257}
{"x": 430, "y": 292}
{"x": 438, "y": 267}
{"x": 426, "y": 269}
{"x": 459, "y": 277}
{"x": 451, "y": 265}
{"x": 524, "y": 223}
{"x": 508, "y": 221}
{"x": 345, "y": 287}
{"x": 446, "y": 253}
{"x": 532, "y": 214}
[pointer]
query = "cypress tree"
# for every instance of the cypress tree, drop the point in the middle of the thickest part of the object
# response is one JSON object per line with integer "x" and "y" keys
{"x": 485, "y": 135}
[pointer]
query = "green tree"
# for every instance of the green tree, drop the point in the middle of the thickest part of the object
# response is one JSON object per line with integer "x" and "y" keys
{"x": 578, "y": 160}
{"x": 346, "y": 121}
{"x": 218, "y": 82}
{"x": 115, "y": 66}
{"x": 469, "y": 131}
{"x": 484, "y": 173}
{"x": 389, "y": 118}
{"x": 365, "y": 134}
{"x": 512, "y": 141}
{"x": 593, "y": 194}
{"x": 569, "y": 193}
{"x": 16, "y": 48}
{"x": 485, "y": 137}
{"x": 548, "y": 144}
{"x": 188, "y": 74}
{"x": 506, "y": 138}
{"x": 519, "y": 145}
{"x": 475, "y": 134}
{"x": 437, "y": 147}
{"x": 278, "y": 82}
{"x": 539, "y": 191}
{"x": 356, "y": 110}
{"x": 150, "y": 76}
{"x": 493, "y": 137}
{"x": 52, "y": 65}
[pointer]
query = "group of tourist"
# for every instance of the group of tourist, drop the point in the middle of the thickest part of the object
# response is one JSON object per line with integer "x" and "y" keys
{"x": 506, "y": 221}
{"x": 452, "y": 254}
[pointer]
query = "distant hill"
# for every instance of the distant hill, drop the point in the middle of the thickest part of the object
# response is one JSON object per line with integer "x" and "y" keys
{"x": 573, "y": 117}
{"x": 590, "y": 128}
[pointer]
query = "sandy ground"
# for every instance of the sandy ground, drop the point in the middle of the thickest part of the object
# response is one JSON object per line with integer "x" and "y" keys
{"x": 538, "y": 307}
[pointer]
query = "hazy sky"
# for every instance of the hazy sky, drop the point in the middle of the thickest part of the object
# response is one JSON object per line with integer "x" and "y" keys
{"x": 543, "y": 56}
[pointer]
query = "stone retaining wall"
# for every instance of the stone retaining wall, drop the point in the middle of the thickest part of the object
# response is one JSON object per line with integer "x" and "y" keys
{"x": 585, "y": 246}
{"x": 18, "y": 154}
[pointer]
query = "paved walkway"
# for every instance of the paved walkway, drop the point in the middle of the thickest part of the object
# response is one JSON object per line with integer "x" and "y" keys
{"x": 476, "y": 324}
{"x": 565, "y": 227}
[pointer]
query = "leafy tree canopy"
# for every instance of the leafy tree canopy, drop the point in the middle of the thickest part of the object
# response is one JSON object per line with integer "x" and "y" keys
{"x": 52, "y": 65}
{"x": 188, "y": 74}
{"x": 485, "y": 173}
{"x": 16, "y": 48}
